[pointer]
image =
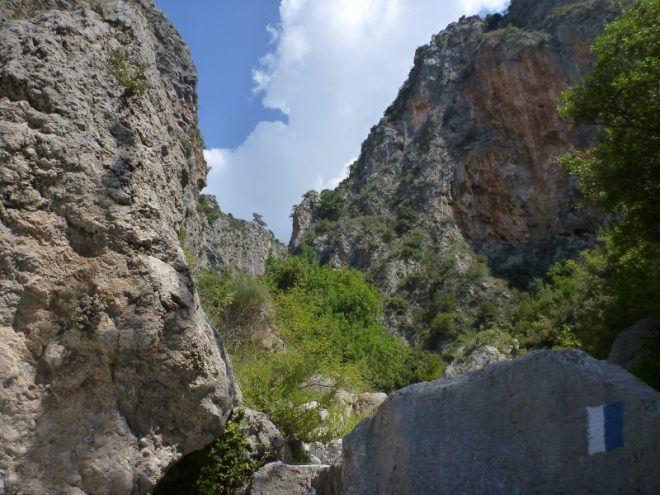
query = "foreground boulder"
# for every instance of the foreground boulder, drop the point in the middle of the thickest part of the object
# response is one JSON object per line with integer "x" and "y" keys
{"x": 549, "y": 422}
{"x": 278, "y": 478}
{"x": 634, "y": 344}
{"x": 109, "y": 369}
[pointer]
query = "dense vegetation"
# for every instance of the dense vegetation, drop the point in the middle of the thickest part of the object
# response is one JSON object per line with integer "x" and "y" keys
{"x": 300, "y": 321}
{"x": 298, "y": 324}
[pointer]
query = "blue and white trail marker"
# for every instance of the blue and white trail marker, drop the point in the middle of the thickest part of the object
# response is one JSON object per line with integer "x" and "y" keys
{"x": 605, "y": 427}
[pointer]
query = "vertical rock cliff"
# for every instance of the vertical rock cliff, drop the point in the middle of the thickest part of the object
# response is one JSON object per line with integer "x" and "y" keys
{"x": 221, "y": 241}
{"x": 109, "y": 369}
{"x": 462, "y": 164}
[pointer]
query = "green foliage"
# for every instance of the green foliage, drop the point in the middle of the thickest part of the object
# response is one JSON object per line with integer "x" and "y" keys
{"x": 274, "y": 383}
{"x": 259, "y": 219}
{"x": 397, "y": 305}
{"x": 205, "y": 208}
{"x": 501, "y": 33}
{"x": 215, "y": 294}
{"x": 330, "y": 204}
{"x": 248, "y": 297}
{"x": 586, "y": 303}
{"x": 229, "y": 466}
{"x": 455, "y": 294}
{"x": 328, "y": 321}
{"x": 492, "y": 22}
{"x": 234, "y": 303}
{"x": 621, "y": 173}
{"x": 129, "y": 75}
{"x": 337, "y": 311}
{"x": 412, "y": 245}
{"x": 405, "y": 216}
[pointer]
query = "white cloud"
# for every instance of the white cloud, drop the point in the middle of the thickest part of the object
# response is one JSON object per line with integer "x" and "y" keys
{"x": 334, "y": 68}
{"x": 217, "y": 159}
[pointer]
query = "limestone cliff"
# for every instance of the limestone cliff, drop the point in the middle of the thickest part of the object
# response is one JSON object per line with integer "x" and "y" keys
{"x": 462, "y": 164}
{"x": 221, "y": 241}
{"x": 109, "y": 369}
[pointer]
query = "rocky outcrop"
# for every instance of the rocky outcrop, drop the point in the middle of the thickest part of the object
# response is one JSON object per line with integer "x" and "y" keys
{"x": 284, "y": 479}
{"x": 463, "y": 162}
{"x": 222, "y": 241}
{"x": 476, "y": 360}
{"x": 549, "y": 422}
{"x": 634, "y": 345}
{"x": 109, "y": 369}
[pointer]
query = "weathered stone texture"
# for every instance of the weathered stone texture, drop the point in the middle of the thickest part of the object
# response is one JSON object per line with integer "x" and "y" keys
{"x": 109, "y": 369}
{"x": 284, "y": 479}
{"x": 515, "y": 427}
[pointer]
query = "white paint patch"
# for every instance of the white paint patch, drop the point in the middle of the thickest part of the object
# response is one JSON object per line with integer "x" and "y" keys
{"x": 596, "y": 429}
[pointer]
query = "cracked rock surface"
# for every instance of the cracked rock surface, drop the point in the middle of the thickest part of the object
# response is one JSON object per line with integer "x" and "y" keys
{"x": 109, "y": 369}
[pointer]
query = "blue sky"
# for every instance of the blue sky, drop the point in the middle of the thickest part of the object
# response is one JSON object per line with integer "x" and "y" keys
{"x": 226, "y": 38}
{"x": 288, "y": 89}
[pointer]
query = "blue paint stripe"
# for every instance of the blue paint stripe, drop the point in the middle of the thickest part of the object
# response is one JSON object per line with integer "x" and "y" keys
{"x": 613, "y": 425}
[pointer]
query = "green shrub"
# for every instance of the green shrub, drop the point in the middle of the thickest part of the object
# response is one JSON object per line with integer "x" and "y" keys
{"x": 405, "y": 216}
{"x": 215, "y": 295}
{"x": 397, "y": 305}
{"x": 129, "y": 75}
{"x": 258, "y": 219}
{"x": 330, "y": 204}
{"x": 229, "y": 466}
{"x": 273, "y": 383}
{"x": 444, "y": 326}
{"x": 501, "y": 33}
{"x": 328, "y": 321}
{"x": 248, "y": 298}
{"x": 205, "y": 208}
{"x": 478, "y": 270}
{"x": 492, "y": 22}
{"x": 286, "y": 274}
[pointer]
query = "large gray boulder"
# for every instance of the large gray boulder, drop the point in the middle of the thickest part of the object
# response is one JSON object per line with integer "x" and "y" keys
{"x": 550, "y": 422}
{"x": 632, "y": 346}
{"x": 109, "y": 369}
{"x": 278, "y": 478}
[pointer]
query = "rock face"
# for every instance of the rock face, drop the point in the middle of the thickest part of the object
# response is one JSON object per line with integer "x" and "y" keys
{"x": 478, "y": 359}
{"x": 633, "y": 345}
{"x": 463, "y": 162}
{"x": 284, "y": 479}
{"x": 223, "y": 241}
{"x": 109, "y": 369}
{"x": 549, "y": 422}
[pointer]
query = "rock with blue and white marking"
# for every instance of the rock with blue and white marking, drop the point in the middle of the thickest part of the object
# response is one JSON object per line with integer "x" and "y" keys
{"x": 550, "y": 422}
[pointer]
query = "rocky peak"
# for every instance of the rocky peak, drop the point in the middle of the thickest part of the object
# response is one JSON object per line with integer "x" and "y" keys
{"x": 464, "y": 160}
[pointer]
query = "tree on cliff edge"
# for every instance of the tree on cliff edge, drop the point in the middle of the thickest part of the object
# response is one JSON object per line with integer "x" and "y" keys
{"x": 621, "y": 173}
{"x": 618, "y": 282}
